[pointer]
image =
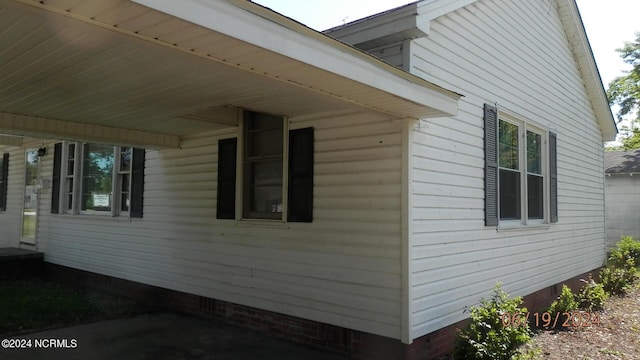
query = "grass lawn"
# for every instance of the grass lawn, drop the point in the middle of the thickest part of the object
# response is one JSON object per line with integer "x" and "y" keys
{"x": 31, "y": 305}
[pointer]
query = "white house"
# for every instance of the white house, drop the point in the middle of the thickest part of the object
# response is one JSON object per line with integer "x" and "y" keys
{"x": 223, "y": 152}
{"x": 622, "y": 194}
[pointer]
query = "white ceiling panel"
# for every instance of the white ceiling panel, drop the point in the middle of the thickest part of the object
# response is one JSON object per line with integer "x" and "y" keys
{"x": 116, "y": 64}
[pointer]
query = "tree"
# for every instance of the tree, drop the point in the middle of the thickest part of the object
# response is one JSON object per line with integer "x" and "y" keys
{"x": 624, "y": 91}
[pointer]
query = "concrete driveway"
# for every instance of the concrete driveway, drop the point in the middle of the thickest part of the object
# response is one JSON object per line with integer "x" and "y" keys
{"x": 163, "y": 336}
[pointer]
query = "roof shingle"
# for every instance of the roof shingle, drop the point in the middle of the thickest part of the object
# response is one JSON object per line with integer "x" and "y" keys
{"x": 622, "y": 161}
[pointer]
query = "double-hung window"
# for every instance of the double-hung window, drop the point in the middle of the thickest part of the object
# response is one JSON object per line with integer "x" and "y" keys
{"x": 263, "y": 166}
{"x": 98, "y": 179}
{"x": 275, "y": 164}
{"x": 520, "y": 171}
{"x": 520, "y": 159}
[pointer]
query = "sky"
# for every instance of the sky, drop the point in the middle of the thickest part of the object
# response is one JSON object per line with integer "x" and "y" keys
{"x": 609, "y": 23}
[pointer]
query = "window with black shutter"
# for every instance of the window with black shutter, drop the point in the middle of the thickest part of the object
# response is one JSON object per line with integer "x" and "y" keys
{"x": 515, "y": 178}
{"x": 263, "y": 169}
{"x": 97, "y": 179}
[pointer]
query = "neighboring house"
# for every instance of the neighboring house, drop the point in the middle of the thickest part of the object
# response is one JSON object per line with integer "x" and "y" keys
{"x": 622, "y": 194}
{"x": 285, "y": 172}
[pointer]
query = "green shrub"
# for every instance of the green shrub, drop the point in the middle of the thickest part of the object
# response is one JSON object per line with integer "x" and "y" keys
{"x": 620, "y": 273}
{"x": 592, "y": 296}
{"x": 627, "y": 248}
{"x": 616, "y": 280}
{"x": 487, "y": 337}
{"x": 566, "y": 303}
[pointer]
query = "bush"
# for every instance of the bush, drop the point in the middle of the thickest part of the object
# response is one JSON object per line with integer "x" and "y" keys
{"x": 487, "y": 337}
{"x": 592, "y": 296}
{"x": 627, "y": 248}
{"x": 566, "y": 303}
{"x": 617, "y": 280}
{"x": 620, "y": 274}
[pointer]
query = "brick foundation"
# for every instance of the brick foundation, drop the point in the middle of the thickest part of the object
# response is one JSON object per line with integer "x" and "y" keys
{"x": 324, "y": 336}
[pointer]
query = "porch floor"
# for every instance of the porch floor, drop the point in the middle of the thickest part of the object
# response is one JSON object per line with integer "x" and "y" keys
{"x": 16, "y": 263}
{"x": 15, "y": 254}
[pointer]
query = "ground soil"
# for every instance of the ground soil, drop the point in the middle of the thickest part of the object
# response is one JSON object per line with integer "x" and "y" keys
{"x": 617, "y": 336}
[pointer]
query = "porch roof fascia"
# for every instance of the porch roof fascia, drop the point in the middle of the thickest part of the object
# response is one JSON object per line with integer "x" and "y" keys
{"x": 299, "y": 42}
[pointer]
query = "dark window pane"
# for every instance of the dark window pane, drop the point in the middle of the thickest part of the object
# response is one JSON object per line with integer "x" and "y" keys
{"x": 534, "y": 153}
{"x": 124, "y": 192}
{"x": 125, "y": 183}
{"x": 260, "y": 121}
{"x": 267, "y": 199}
{"x": 265, "y": 143}
{"x": 125, "y": 158}
{"x": 535, "y": 201}
{"x": 71, "y": 155}
{"x": 508, "y": 151}
{"x": 509, "y": 195}
{"x": 124, "y": 202}
{"x": 266, "y": 173}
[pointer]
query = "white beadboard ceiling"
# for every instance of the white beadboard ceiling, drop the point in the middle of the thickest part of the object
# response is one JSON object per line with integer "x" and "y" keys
{"x": 116, "y": 71}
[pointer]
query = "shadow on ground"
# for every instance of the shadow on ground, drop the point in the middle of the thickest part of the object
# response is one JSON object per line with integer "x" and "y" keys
{"x": 162, "y": 336}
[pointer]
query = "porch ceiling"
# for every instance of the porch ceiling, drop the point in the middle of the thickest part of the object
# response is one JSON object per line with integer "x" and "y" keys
{"x": 116, "y": 71}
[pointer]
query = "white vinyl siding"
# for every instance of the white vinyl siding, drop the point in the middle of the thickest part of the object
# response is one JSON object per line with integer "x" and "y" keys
{"x": 622, "y": 194}
{"x": 342, "y": 269}
{"x": 515, "y": 54}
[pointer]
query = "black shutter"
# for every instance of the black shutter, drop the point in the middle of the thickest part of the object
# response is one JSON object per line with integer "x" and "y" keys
{"x": 4, "y": 177}
{"x": 137, "y": 183}
{"x": 227, "y": 155}
{"x": 553, "y": 177}
{"x": 300, "y": 204}
{"x": 490, "y": 165}
{"x": 55, "y": 187}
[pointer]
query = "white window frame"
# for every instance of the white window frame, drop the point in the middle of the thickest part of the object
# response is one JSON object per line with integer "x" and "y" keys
{"x": 116, "y": 185}
{"x": 523, "y": 127}
{"x": 240, "y": 159}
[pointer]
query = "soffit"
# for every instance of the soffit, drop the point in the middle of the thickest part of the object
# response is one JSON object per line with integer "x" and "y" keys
{"x": 118, "y": 64}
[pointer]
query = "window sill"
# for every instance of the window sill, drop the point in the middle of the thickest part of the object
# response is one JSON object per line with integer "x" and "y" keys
{"x": 261, "y": 223}
{"x": 522, "y": 227}
{"x": 100, "y": 217}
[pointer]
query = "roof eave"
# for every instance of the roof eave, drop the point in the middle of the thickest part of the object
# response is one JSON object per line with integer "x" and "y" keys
{"x": 577, "y": 36}
{"x": 304, "y": 44}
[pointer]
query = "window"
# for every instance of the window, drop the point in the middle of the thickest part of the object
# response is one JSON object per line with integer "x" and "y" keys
{"x": 263, "y": 171}
{"x": 98, "y": 179}
{"x": 263, "y": 166}
{"x": 516, "y": 177}
{"x": 4, "y": 174}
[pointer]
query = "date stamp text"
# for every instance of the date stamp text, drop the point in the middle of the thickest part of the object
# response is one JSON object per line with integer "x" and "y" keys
{"x": 574, "y": 319}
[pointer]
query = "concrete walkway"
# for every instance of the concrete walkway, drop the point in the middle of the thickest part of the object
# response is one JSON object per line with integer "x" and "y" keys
{"x": 156, "y": 336}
